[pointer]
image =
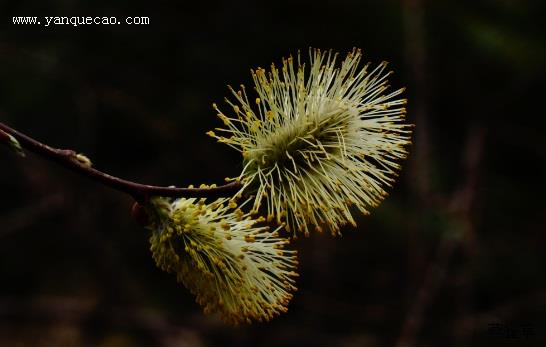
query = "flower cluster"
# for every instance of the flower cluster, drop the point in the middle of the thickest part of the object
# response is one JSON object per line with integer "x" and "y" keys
{"x": 317, "y": 141}
{"x": 234, "y": 267}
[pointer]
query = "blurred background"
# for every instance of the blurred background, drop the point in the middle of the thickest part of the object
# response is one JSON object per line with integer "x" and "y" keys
{"x": 453, "y": 257}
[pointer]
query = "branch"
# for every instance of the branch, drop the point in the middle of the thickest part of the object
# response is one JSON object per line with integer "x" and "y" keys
{"x": 82, "y": 166}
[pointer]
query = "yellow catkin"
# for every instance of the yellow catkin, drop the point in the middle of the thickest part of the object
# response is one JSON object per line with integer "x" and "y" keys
{"x": 230, "y": 265}
{"x": 318, "y": 139}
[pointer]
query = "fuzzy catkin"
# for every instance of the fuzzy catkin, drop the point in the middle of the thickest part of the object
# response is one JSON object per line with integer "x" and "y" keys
{"x": 317, "y": 140}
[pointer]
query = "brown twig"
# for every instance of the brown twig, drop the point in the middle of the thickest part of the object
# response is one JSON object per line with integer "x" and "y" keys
{"x": 81, "y": 165}
{"x": 3, "y": 136}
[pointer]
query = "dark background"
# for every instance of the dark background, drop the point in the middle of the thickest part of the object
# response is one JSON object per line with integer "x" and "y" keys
{"x": 453, "y": 257}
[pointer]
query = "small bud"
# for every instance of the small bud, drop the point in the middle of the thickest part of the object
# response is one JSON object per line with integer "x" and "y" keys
{"x": 83, "y": 160}
{"x": 140, "y": 215}
{"x": 12, "y": 143}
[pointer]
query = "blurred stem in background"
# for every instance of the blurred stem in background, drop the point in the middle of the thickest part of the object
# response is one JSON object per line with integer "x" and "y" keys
{"x": 457, "y": 208}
